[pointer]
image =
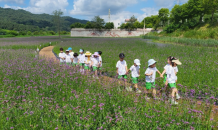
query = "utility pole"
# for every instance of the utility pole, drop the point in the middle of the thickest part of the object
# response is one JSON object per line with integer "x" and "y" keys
{"x": 109, "y": 16}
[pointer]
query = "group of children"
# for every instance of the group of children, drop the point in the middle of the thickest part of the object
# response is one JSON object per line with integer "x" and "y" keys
{"x": 87, "y": 61}
{"x": 169, "y": 75}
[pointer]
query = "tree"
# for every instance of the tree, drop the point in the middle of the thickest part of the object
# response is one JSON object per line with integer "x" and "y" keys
{"x": 89, "y": 25}
{"x": 164, "y": 15}
{"x": 77, "y": 25}
{"x": 155, "y": 21}
{"x": 213, "y": 7}
{"x": 137, "y": 25}
{"x": 57, "y": 20}
{"x": 98, "y": 22}
{"x": 109, "y": 25}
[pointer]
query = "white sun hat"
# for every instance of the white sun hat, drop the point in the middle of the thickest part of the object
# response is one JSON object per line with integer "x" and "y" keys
{"x": 151, "y": 62}
{"x": 137, "y": 62}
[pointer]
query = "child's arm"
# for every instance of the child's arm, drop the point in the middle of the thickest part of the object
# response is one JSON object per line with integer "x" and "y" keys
{"x": 163, "y": 72}
{"x": 126, "y": 69}
{"x": 160, "y": 74}
{"x": 149, "y": 74}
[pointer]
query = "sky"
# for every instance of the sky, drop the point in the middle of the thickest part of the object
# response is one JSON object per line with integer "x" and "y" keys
{"x": 87, "y": 9}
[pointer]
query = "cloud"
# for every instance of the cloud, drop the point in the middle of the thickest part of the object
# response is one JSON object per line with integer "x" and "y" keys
{"x": 100, "y": 7}
{"x": 12, "y": 1}
{"x": 43, "y": 6}
{"x": 168, "y": 3}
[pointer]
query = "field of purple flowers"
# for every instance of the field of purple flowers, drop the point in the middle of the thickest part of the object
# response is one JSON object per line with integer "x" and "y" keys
{"x": 40, "y": 94}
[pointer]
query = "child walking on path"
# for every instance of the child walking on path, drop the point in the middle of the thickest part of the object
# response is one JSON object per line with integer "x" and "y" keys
{"x": 150, "y": 74}
{"x": 122, "y": 69}
{"x": 135, "y": 73}
{"x": 69, "y": 58}
{"x": 87, "y": 62}
{"x": 95, "y": 64}
{"x": 62, "y": 56}
{"x": 81, "y": 60}
{"x": 100, "y": 62}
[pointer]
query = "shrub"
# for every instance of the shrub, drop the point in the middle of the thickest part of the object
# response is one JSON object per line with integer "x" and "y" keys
{"x": 29, "y": 33}
{"x": 15, "y": 33}
{"x": 36, "y": 33}
{"x": 22, "y": 33}
{"x": 51, "y": 32}
{"x": 2, "y": 32}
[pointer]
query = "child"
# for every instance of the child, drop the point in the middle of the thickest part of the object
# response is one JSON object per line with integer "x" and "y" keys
{"x": 171, "y": 80}
{"x": 100, "y": 65}
{"x": 69, "y": 58}
{"x": 75, "y": 59}
{"x": 135, "y": 69}
{"x": 87, "y": 62}
{"x": 95, "y": 64}
{"x": 169, "y": 59}
{"x": 150, "y": 74}
{"x": 81, "y": 60}
{"x": 176, "y": 62}
{"x": 70, "y": 51}
{"x": 62, "y": 56}
{"x": 122, "y": 69}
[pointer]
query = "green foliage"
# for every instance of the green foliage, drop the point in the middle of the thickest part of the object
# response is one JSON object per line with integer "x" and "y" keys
{"x": 109, "y": 25}
{"x": 36, "y": 33}
{"x": 89, "y": 25}
{"x": 22, "y": 33}
{"x": 51, "y": 32}
{"x": 137, "y": 24}
{"x": 3, "y": 32}
{"x": 77, "y": 25}
{"x": 11, "y": 32}
{"x": 164, "y": 15}
{"x": 29, "y": 33}
{"x": 98, "y": 22}
{"x": 21, "y": 20}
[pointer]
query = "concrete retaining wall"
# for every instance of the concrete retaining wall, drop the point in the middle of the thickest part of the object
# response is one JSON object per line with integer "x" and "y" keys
{"x": 80, "y": 32}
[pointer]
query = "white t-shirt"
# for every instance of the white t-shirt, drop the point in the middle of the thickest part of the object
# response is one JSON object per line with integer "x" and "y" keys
{"x": 166, "y": 67}
{"x": 68, "y": 58}
{"x": 171, "y": 76}
{"x": 152, "y": 77}
{"x": 88, "y": 63}
{"x": 75, "y": 59}
{"x": 95, "y": 62}
{"x": 121, "y": 65}
{"x": 100, "y": 60}
{"x": 82, "y": 58}
{"x": 135, "y": 71}
{"x": 71, "y": 54}
{"x": 62, "y": 55}
{"x": 176, "y": 70}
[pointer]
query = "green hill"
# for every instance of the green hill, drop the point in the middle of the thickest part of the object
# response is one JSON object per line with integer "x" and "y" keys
{"x": 21, "y": 20}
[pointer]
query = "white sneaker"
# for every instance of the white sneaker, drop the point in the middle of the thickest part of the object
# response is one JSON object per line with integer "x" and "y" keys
{"x": 176, "y": 103}
{"x": 138, "y": 91}
{"x": 177, "y": 96}
{"x": 147, "y": 98}
{"x": 172, "y": 101}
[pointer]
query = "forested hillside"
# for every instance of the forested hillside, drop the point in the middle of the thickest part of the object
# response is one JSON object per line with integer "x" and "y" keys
{"x": 21, "y": 20}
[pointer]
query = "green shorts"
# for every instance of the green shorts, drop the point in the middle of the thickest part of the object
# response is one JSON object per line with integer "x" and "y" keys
{"x": 94, "y": 68}
{"x": 150, "y": 85}
{"x": 87, "y": 68}
{"x": 69, "y": 64}
{"x": 172, "y": 85}
{"x": 62, "y": 63}
{"x": 82, "y": 64}
{"x": 135, "y": 80}
{"x": 165, "y": 78}
{"x": 74, "y": 64}
{"x": 99, "y": 68}
{"x": 122, "y": 76}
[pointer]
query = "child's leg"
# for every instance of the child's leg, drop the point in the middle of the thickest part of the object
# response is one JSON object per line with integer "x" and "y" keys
{"x": 154, "y": 92}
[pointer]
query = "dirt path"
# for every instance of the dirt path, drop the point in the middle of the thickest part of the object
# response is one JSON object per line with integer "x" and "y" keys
{"x": 47, "y": 52}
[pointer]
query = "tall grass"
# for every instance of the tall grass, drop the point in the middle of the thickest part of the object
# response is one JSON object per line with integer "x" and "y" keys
{"x": 185, "y": 41}
{"x": 40, "y": 94}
